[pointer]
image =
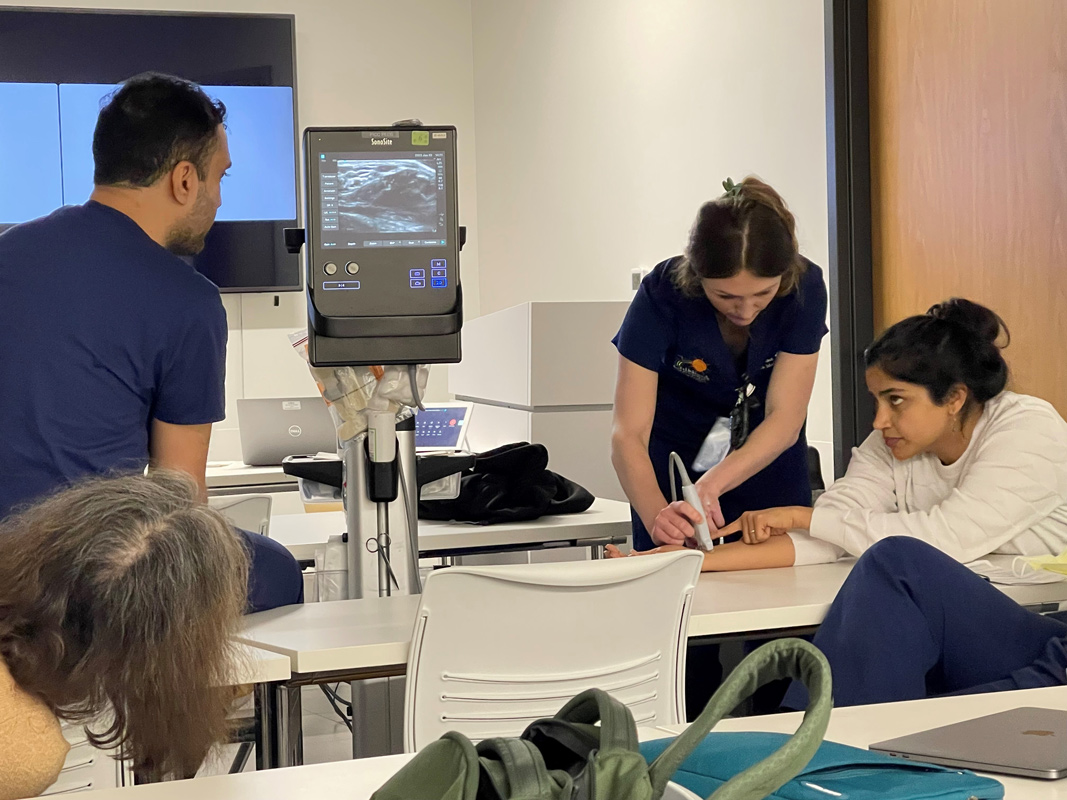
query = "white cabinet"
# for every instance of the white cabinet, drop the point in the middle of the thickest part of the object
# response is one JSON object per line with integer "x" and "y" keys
{"x": 545, "y": 372}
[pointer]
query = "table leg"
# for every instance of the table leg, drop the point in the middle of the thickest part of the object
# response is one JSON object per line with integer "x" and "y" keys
{"x": 266, "y": 718}
{"x": 288, "y": 745}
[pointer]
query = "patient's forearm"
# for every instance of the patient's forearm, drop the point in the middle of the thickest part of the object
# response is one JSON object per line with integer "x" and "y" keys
{"x": 777, "y": 551}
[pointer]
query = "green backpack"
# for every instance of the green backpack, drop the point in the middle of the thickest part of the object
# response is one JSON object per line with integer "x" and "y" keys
{"x": 571, "y": 757}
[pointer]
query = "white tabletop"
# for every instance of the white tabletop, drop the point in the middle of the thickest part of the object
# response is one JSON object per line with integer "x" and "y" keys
{"x": 861, "y": 726}
{"x": 858, "y": 726}
{"x": 301, "y": 534}
{"x": 344, "y": 634}
{"x": 235, "y": 473}
{"x": 365, "y": 634}
{"x": 794, "y": 597}
{"x": 255, "y": 665}
{"x": 337, "y": 780}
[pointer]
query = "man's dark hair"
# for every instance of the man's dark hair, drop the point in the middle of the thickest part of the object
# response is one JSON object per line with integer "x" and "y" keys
{"x": 151, "y": 124}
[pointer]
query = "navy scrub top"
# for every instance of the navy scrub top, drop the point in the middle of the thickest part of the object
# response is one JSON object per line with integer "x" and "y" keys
{"x": 678, "y": 337}
{"x": 116, "y": 332}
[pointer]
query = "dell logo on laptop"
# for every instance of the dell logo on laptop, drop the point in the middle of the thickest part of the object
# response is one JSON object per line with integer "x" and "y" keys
{"x": 294, "y": 430}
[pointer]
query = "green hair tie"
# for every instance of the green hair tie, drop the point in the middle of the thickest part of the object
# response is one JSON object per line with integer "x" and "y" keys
{"x": 732, "y": 189}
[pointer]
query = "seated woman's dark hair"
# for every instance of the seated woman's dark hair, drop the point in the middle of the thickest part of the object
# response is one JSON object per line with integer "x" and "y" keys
{"x": 118, "y": 601}
{"x": 749, "y": 228}
{"x": 954, "y": 343}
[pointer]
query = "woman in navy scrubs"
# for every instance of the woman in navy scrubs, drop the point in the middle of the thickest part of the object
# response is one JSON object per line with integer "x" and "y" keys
{"x": 731, "y": 329}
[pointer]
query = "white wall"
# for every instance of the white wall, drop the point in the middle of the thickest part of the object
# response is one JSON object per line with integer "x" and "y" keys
{"x": 358, "y": 63}
{"x": 601, "y": 127}
{"x": 604, "y": 124}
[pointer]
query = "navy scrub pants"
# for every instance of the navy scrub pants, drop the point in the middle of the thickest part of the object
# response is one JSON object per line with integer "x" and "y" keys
{"x": 911, "y": 622}
{"x": 274, "y": 577}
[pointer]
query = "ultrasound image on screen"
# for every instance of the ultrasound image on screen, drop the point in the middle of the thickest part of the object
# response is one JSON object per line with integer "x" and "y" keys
{"x": 389, "y": 195}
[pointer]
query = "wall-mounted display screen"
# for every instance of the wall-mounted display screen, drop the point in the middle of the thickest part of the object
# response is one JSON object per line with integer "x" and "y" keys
{"x": 57, "y": 69}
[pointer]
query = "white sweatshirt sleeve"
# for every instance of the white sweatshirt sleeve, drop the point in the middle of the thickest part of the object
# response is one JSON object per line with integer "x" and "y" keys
{"x": 808, "y": 550}
{"x": 867, "y": 483}
{"x": 1017, "y": 478}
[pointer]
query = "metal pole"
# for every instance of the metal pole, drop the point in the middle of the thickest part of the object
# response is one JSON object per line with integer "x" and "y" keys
{"x": 266, "y": 719}
{"x": 384, "y": 587}
{"x": 289, "y": 739}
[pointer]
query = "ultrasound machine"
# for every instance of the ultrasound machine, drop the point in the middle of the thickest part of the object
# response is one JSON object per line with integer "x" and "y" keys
{"x": 381, "y": 250}
{"x": 383, "y": 246}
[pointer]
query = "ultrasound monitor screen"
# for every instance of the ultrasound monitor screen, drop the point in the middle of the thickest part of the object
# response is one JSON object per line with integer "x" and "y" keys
{"x": 383, "y": 200}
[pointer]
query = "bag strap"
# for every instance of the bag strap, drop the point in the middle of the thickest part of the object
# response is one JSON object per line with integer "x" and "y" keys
{"x": 782, "y": 658}
{"x": 515, "y": 766}
{"x": 617, "y": 728}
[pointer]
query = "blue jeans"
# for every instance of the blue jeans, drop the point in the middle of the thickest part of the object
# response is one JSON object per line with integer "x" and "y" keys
{"x": 910, "y": 622}
{"x": 274, "y": 577}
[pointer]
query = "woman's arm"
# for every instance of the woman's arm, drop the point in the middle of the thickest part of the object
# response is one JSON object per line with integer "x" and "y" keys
{"x": 776, "y": 552}
{"x": 792, "y": 380}
{"x": 635, "y": 408}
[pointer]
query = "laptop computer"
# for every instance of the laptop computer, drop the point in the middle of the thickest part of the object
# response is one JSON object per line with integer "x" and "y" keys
{"x": 442, "y": 427}
{"x": 1031, "y": 742}
{"x": 273, "y": 428}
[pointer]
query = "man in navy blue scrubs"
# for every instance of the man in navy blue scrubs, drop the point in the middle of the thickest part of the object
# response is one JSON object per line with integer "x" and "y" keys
{"x": 114, "y": 347}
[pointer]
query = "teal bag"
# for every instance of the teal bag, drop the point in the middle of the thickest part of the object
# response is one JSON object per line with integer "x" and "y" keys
{"x": 572, "y": 757}
{"x": 835, "y": 772}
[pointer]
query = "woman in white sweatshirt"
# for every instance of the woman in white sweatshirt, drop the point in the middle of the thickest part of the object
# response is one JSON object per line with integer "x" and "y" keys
{"x": 954, "y": 460}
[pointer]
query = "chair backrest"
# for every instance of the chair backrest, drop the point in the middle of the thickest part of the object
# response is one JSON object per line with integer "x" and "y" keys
{"x": 251, "y": 513}
{"x": 495, "y": 648}
{"x": 815, "y": 470}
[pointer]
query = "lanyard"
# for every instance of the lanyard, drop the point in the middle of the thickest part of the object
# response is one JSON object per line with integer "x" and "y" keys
{"x": 739, "y": 415}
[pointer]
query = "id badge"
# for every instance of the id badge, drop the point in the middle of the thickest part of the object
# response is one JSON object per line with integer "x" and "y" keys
{"x": 716, "y": 446}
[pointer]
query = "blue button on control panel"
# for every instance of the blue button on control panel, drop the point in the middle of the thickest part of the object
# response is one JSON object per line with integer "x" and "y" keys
{"x": 418, "y": 283}
{"x": 331, "y": 285}
{"x": 440, "y": 283}
{"x": 418, "y": 273}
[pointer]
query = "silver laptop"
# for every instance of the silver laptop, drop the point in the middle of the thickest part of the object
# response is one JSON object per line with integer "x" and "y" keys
{"x": 274, "y": 428}
{"x": 1031, "y": 742}
{"x": 442, "y": 427}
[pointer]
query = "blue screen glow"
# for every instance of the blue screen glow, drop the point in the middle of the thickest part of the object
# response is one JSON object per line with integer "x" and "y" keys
{"x": 31, "y": 181}
{"x": 37, "y": 177}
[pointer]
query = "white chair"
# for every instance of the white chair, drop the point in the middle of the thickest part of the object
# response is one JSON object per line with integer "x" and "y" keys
{"x": 495, "y": 648}
{"x": 677, "y": 792}
{"x": 251, "y": 513}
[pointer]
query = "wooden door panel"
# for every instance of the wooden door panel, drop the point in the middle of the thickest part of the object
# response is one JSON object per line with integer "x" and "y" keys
{"x": 969, "y": 169}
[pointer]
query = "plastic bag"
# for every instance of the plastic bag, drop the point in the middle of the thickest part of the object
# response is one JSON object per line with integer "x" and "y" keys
{"x": 715, "y": 447}
{"x": 350, "y": 391}
{"x": 395, "y": 384}
{"x": 1021, "y": 565}
{"x": 331, "y": 570}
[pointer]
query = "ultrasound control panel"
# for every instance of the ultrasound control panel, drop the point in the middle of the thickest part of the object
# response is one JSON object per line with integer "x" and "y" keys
{"x": 382, "y": 232}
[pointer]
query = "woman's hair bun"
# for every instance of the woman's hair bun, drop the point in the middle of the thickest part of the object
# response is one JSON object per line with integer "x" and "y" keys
{"x": 979, "y": 322}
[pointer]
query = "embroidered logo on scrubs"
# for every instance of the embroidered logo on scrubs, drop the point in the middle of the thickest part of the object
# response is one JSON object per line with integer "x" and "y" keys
{"x": 695, "y": 368}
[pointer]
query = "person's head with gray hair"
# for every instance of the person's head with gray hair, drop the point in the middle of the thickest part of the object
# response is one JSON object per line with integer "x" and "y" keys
{"x": 119, "y": 596}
